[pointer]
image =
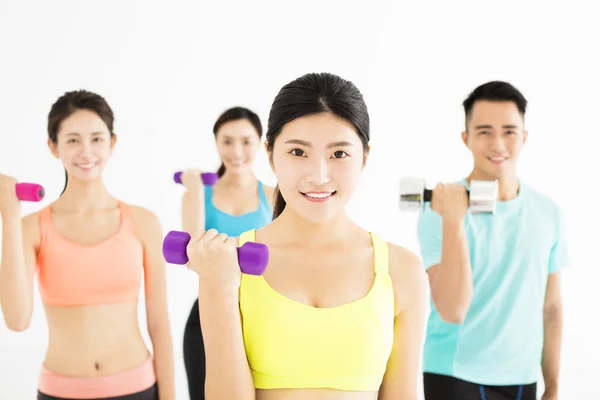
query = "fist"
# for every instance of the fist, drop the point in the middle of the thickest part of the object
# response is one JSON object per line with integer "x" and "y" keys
{"x": 9, "y": 202}
{"x": 191, "y": 179}
{"x": 450, "y": 201}
{"x": 213, "y": 256}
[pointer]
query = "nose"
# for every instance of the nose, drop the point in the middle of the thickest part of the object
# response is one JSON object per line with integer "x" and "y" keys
{"x": 319, "y": 172}
{"x": 85, "y": 150}
{"x": 237, "y": 150}
{"x": 497, "y": 143}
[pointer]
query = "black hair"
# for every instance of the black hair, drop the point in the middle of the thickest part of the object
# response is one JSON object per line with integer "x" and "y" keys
{"x": 235, "y": 114}
{"x": 495, "y": 91}
{"x": 70, "y": 102}
{"x": 315, "y": 93}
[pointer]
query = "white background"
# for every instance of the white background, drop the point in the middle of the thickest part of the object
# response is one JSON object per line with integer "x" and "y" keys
{"x": 169, "y": 69}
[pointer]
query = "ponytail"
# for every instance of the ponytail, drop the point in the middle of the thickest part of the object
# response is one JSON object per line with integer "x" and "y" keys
{"x": 278, "y": 204}
{"x": 221, "y": 170}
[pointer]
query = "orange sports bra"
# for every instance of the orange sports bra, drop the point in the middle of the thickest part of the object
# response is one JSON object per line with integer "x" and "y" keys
{"x": 292, "y": 345}
{"x": 71, "y": 274}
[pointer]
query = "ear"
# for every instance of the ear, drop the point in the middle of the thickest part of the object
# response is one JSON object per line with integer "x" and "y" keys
{"x": 465, "y": 138}
{"x": 366, "y": 156}
{"x": 525, "y": 136}
{"x": 113, "y": 141}
{"x": 269, "y": 156}
{"x": 53, "y": 148}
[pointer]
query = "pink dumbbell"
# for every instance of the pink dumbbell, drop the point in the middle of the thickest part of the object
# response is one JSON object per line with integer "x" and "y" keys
{"x": 208, "y": 178}
{"x": 30, "y": 191}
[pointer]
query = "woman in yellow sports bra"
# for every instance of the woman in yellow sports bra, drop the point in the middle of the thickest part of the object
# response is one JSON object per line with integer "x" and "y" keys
{"x": 339, "y": 313}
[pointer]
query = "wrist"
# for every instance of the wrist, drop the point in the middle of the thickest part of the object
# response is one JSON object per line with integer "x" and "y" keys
{"x": 551, "y": 386}
{"x": 12, "y": 214}
{"x": 453, "y": 221}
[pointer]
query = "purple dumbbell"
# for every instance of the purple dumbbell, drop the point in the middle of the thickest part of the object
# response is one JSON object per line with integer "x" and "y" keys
{"x": 208, "y": 178}
{"x": 252, "y": 257}
{"x": 30, "y": 191}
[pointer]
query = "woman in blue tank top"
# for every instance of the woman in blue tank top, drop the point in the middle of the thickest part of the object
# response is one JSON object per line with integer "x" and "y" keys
{"x": 236, "y": 203}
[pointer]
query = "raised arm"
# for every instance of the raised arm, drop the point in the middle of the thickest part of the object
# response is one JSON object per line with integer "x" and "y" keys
{"x": 214, "y": 258}
{"x": 157, "y": 315}
{"x": 445, "y": 251}
{"x": 20, "y": 240}
{"x": 401, "y": 380}
{"x": 192, "y": 204}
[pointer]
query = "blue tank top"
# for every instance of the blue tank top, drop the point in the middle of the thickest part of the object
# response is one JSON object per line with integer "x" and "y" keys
{"x": 235, "y": 225}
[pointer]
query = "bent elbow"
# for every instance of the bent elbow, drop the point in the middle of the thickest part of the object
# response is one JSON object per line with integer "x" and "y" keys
{"x": 453, "y": 313}
{"x": 17, "y": 324}
{"x": 453, "y": 316}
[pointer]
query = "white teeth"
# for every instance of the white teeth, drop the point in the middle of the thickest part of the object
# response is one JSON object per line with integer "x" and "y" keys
{"x": 497, "y": 158}
{"x": 86, "y": 165}
{"x": 318, "y": 195}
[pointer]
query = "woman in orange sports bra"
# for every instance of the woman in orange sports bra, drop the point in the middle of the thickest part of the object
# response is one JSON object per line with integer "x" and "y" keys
{"x": 339, "y": 312}
{"x": 91, "y": 253}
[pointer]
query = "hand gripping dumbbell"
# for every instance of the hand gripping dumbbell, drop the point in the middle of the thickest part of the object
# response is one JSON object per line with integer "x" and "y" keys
{"x": 482, "y": 195}
{"x": 30, "y": 191}
{"x": 252, "y": 257}
{"x": 208, "y": 178}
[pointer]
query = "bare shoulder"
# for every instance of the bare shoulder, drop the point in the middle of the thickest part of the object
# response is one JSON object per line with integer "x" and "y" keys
{"x": 145, "y": 221}
{"x": 408, "y": 275}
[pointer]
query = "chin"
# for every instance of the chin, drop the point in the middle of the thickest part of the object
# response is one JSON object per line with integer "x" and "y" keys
{"x": 238, "y": 168}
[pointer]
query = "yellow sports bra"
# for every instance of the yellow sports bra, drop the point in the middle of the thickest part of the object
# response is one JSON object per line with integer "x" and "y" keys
{"x": 293, "y": 345}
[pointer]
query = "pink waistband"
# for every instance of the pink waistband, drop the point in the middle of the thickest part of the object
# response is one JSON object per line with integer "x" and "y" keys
{"x": 121, "y": 384}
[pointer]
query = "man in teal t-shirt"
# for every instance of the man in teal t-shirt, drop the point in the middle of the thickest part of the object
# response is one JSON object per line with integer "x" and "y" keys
{"x": 496, "y": 306}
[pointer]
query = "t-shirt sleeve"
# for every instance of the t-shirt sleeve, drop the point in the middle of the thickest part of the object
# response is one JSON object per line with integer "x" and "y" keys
{"x": 559, "y": 254}
{"x": 429, "y": 232}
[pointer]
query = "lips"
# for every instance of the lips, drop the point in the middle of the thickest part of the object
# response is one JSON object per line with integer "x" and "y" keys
{"x": 497, "y": 160}
{"x": 87, "y": 165}
{"x": 318, "y": 196}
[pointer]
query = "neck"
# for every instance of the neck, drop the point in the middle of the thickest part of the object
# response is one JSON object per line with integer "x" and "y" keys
{"x": 85, "y": 196}
{"x": 508, "y": 185}
{"x": 309, "y": 233}
{"x": 238, "y": 180}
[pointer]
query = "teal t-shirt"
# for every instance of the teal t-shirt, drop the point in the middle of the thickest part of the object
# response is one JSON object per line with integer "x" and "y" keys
{"x": 512, "y": 253}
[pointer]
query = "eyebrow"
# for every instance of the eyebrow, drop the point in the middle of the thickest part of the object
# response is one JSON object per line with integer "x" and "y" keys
{"x": 240, "y": 137}
{"x": 77, "y": 134}
{"x": 308, "y": 144}
{"x": 491, "y": 127}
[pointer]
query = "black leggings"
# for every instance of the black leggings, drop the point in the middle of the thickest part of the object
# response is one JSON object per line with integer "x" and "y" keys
{"x": 148, "y": 394}
{"x": 193, "y": 355}
{"x": 441, "y": 387}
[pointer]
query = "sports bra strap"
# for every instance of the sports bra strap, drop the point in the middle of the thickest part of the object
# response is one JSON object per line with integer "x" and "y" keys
{"x": 381, "y": 254}
{"x": 380, "y": 250}
{"x": 248, "y": 236}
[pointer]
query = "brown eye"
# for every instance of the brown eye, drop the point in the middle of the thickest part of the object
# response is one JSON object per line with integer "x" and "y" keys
{"x": 340, "y": 154}
{"x": 297, "y": 152}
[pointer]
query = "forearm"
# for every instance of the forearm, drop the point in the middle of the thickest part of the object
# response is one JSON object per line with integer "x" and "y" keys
{"x": 162, "y": 344}
{"x": 452, "y": 287}
{"x": 227, "y": 372}
{"x": 192, "y": 211}
{"x": 551, "y": 349}
{"x": 15, "y": 296}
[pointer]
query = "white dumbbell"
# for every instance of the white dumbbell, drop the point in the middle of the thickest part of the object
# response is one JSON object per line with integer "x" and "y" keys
{"x": 482, "y": 195}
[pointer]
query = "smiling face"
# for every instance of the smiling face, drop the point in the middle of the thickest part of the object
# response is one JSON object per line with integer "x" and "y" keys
{"x": 237, "y": 144}
{"x": 318, "y": 160}
{"x": 84, "y": 145}
{"x": 495, "y": 136}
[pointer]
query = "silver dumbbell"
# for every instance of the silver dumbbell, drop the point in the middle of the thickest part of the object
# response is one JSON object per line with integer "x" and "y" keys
{"x": 482, "y": 195}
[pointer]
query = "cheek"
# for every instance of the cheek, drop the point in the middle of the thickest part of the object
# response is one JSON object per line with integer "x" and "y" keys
{"x": 286, "y": 171}
{"x": 347, "y": 173}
